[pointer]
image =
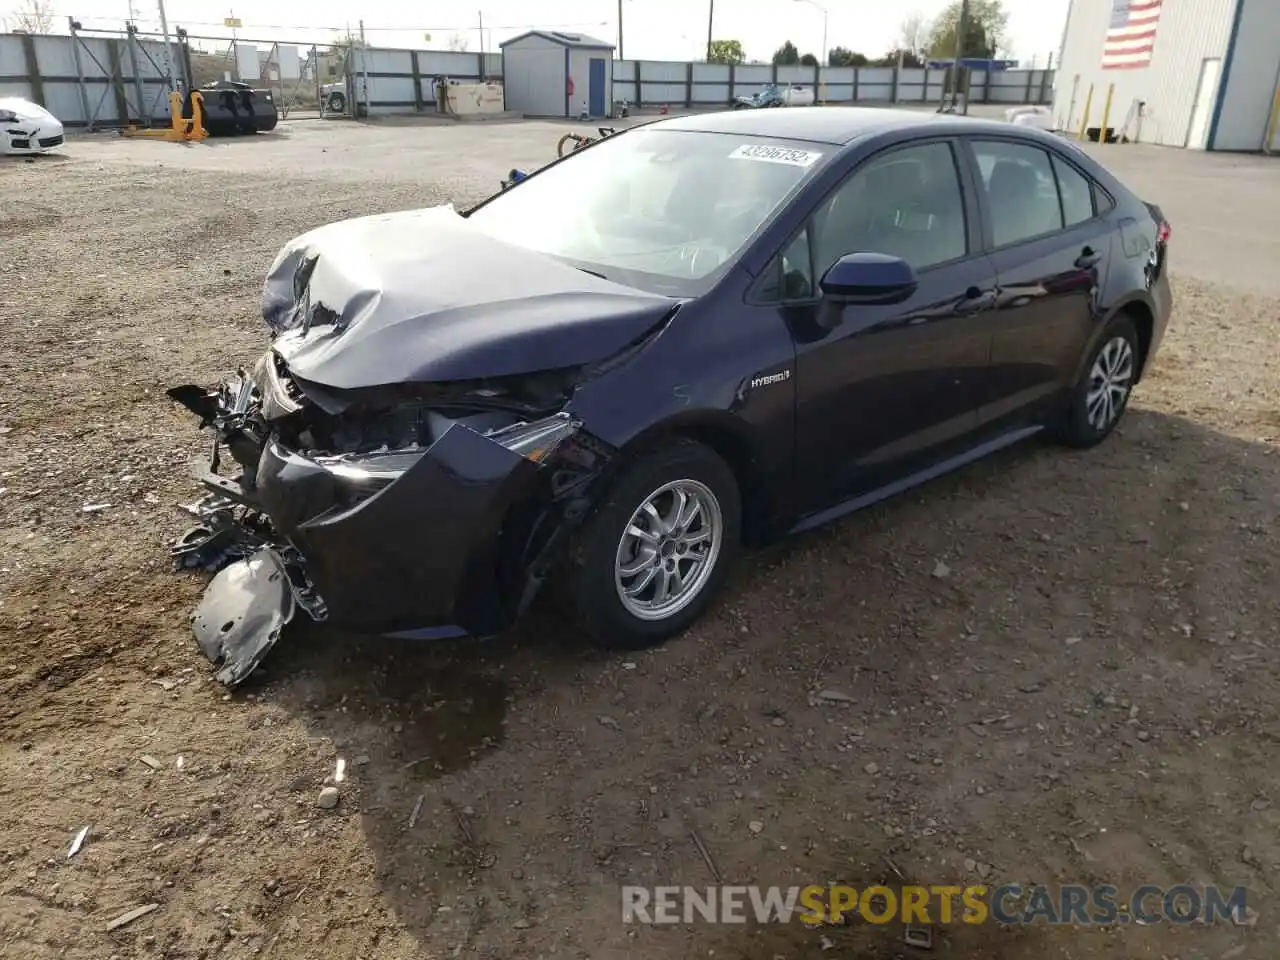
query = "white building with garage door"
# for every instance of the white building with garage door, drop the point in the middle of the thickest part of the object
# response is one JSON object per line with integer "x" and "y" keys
{"x": 1202, "y": 74}
{"x": 551, "y": 74}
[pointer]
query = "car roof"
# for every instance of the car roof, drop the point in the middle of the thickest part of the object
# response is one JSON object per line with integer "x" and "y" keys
{"x": 837, "y": 125}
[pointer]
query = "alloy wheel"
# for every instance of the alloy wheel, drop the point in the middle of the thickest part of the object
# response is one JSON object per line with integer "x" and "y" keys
{"x": 1110, "y": 380}
{"x": 668, "y": 549}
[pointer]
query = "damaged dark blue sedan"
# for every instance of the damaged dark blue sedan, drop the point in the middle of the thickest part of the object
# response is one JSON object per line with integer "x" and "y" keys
{"x": 692, "y": 335}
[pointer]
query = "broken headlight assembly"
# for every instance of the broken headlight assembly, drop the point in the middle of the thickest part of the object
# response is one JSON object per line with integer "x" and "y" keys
{"x": 367, "y": 473}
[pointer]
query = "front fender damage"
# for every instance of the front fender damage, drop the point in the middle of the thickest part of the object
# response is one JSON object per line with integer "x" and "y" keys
{"x": 458, "y": 545}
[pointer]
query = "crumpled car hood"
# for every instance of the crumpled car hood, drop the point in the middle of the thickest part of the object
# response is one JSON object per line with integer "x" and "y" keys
{"x": 422, "y": 295}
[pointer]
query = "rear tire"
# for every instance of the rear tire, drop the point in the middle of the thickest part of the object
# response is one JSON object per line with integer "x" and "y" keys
{"x": 649, "y": 561}
{"x": 1099, "y": 400}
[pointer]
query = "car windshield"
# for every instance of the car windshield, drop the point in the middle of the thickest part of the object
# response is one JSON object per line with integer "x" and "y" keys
{"x": 666, "y": 211}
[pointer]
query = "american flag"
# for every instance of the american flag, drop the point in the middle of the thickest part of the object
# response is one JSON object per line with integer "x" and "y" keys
{"x": 1131, "y": 35}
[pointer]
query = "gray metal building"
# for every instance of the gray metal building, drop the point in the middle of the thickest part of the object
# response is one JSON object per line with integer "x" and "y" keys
{"x": 551, "y": 74}
{"x": 1210, "y": 83}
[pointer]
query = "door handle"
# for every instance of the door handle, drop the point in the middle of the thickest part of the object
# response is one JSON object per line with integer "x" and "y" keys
{"x": 1088, "y": 258}
{"x": 975, "y": 300}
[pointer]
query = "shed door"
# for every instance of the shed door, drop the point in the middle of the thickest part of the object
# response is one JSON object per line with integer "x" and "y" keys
{"x": 535, "y": 82}
{"x": 597, "y": 84}
{"x": 1206, "y": 97}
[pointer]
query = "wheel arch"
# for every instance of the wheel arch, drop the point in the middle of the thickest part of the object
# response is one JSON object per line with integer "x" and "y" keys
{"x": 1138, "y": 309}
{"x": 732, "y": 441}
{"x": 1143, "y": 316}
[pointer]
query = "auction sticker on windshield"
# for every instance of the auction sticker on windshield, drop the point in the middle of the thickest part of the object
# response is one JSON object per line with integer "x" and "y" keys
{"x": 788, "y": 155}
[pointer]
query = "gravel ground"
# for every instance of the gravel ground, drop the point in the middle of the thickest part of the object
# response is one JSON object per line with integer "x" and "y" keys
{"x": 1052, "y": 666}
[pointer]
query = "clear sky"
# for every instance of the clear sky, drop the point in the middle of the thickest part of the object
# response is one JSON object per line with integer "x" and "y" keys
{"x": 653, "y": 29}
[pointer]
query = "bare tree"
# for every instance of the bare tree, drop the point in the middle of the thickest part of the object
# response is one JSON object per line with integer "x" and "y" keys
{"x": 912, "y": 32}
{"x": 34, "y": 16}
{"x": 458, "y": 43}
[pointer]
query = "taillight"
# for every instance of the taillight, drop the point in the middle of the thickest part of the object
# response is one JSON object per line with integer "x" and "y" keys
{"x": 1163, "y": 230}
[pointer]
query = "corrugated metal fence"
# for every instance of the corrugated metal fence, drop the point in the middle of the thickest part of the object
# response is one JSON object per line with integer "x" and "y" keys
{"x": 648, "y": 82}
{"x": 108, "y": 79}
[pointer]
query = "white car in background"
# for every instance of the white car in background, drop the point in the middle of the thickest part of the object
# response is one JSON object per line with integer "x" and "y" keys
{"x": 27, "y": 128}
{"x": 333, "y": 97}
{"x": 1039, "y": 117}
{"x": 777, "y": 95}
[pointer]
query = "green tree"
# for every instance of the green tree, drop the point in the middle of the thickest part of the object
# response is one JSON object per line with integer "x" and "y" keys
{"x": 808, "y": 60}
{"x": 844, "y": 57}
{"x": 910, "y": 61}
{"x": 727, "y": 51}
{"x": 985, "y": 33}
{"x": 786, "y": 55}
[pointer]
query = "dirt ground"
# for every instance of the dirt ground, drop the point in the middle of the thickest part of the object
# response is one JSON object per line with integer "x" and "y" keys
{"x": 1087, "y": 695}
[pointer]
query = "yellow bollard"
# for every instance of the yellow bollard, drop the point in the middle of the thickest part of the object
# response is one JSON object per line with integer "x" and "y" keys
{"x": 1268, "y": 147}
{"x": 1106, "y": 114}
{"x": 1084, "y": 122}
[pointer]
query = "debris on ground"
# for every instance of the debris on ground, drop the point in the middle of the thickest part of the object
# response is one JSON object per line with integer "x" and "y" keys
{"x": 835, "y": 696}
{"x": 127, "y": 918}
{"x": 417, "y": 809}
{"x": 77, "y": 842}
{"x": 328, "y": 798}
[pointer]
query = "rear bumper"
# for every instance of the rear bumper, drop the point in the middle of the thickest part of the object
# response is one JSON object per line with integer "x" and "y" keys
{"x": 1162, "y": 299}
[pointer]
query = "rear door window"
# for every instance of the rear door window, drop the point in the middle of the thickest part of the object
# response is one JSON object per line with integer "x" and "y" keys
{"x": 1076, "y": 191}
{"x": 1022, "y": 192}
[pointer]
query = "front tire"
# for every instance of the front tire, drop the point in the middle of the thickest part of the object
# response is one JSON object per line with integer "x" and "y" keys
{"x": 658, "y": 549}
{"x": 1101, "y": 398}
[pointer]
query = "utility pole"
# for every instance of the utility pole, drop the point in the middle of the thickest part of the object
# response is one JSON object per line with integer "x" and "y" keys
{"x": 957, "y": 68}
{"x": 711, "y": 17}
{"x": 168, "y": 53}
{"x": 480, "y": 14}
{"x": 826, "y": 53}
{"x": 620, "y": 56}
{"x": 364, "y": 73}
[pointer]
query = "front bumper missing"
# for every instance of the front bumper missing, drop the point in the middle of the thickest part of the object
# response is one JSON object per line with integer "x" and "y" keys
{"x": 431, "y": 554}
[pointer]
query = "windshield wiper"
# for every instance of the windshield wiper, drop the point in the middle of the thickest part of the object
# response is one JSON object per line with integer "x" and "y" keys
{"x": 594, "y": 273}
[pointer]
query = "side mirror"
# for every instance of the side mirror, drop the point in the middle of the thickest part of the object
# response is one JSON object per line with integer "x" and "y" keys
{"x": 869, "y": 278}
